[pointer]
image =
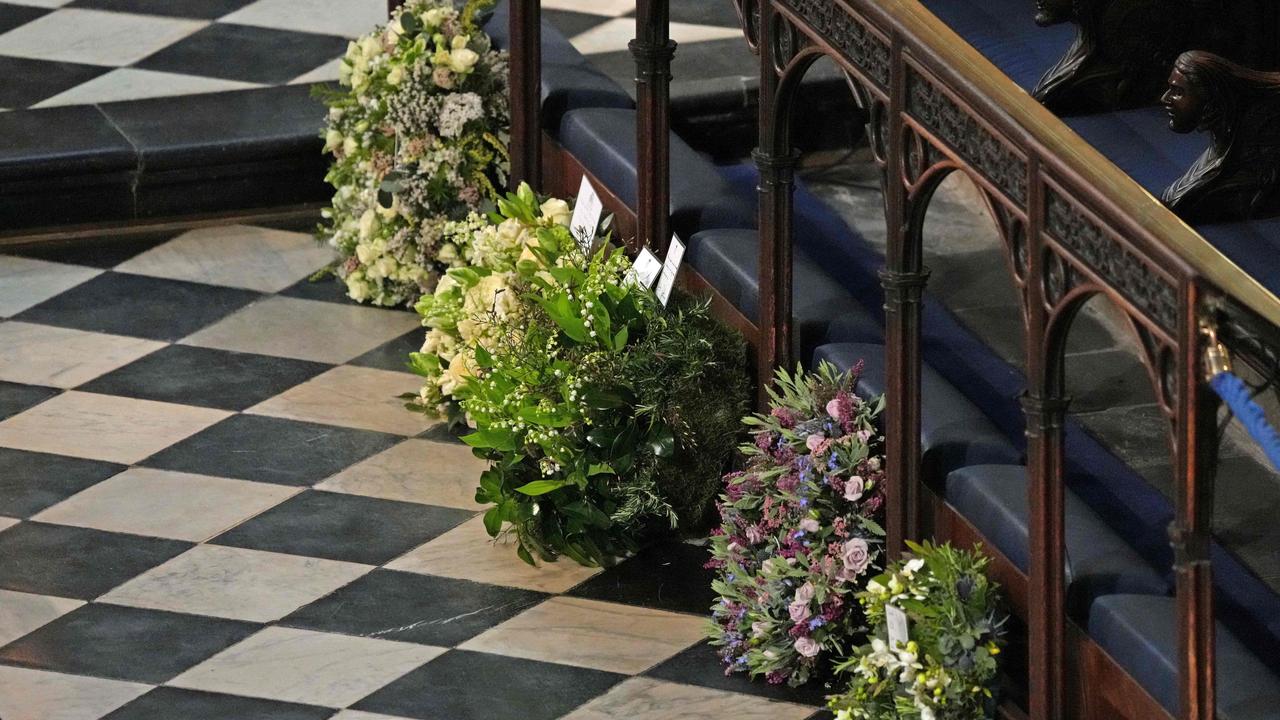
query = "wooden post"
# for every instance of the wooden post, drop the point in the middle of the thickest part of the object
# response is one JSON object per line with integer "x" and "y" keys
{"x": 1196, "y": 452}
{"x": 526, "y": 93}
{"x": 392, "y": 5}
{"x": 903, "y": 279}
{"x": 653, "y": 49}
{"x": 776, "y": 164}
{"x": 1045, "y": 406}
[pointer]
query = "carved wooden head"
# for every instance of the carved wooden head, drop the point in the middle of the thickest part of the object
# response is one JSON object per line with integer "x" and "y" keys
{"x": 1184, "y": 102}
{"x": 1054, "y": 12}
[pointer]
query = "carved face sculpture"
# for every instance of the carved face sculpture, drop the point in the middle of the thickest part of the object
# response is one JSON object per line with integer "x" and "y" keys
{"x": 1183, "y": 102}
{"x": 1053, "y": 12}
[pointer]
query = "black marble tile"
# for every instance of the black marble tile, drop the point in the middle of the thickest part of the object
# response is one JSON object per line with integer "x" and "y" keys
{"x": 441, "y": 432}
{"x": 103, "y": 252}
{"x": 86, "y": 142}
{"x": 15, "y": 397}
{"x": 155, "y": 308}
{"x": 328, "y": 289}
{"x": 571, "y": 23}
{"x": 32, "y": 481}
{"x": 668, "y": 576}
{"x": 393, "y": 355}
{"x": 125, "y": 643}
{"x": 76, "y": 562}
{"x": 250, "y": 54}
{"x": 410, "y": 607}
{"x": 724, "y": 58}
{"x": 275, "y": 450}
{"x": 206, "y": 377}
{"x": 181, "y": 134}
{"x": 197, "y": 9}
{"x": 12, "y": 16}
{"x": 462, "y": 685}
{"x": 699, "y": 665}
{"x": 339, "y": 526}
{"x": 169, "y": 703}
{"x": 27, "y": 81}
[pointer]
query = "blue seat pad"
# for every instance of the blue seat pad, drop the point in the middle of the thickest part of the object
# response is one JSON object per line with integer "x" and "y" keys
{"x": 953, "y": 431}
{"x": 1139, "y": 632}
{"x": 569, "y": 81}
{"x": 1140, "y": 143}
{"x": 1098, "y": 562}
{"x": 604, "y": 141}
{"x": 1006, "y": 33}
{"x": 823, "y": 310}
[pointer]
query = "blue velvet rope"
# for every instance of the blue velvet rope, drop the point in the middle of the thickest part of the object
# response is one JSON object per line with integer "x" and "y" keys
{"x": 1237, "y": 395}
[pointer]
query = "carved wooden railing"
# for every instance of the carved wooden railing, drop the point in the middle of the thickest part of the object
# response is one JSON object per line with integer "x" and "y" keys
{"x": 1073, "y": 226}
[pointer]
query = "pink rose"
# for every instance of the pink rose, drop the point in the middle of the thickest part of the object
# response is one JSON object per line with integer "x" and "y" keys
{"x": 833, "y": 407}
{"x": 799, "y": 611}
{"x": 804, "y": 593}
{"x": 856, "y": 556}
{"x": 810, "y": 525}
{"x": 853, "y": 488}
{"x": 813, "y": 442}
{"x": 806, "y": 646}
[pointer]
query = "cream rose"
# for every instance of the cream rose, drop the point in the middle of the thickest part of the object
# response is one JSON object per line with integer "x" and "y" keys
{"x": 463, "y": 59}
{"x": 556, "y": 211}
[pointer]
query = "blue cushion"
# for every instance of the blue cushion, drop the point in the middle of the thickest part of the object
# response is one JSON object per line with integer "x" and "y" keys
{"x": 823, "y": 310}
{"x": 568, "y": 80}
{"x": 1098, "y": 562}
{"x": 1006, "y": 33}
{"x": 953, "y": 431}
{"x": 1140, "y": 143}
{"x": 1139, "y": 632}
{"x": 604, "y": 141}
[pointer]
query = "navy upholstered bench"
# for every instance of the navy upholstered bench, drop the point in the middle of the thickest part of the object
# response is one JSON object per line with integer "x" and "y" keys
{"x": 1139, "y": 632}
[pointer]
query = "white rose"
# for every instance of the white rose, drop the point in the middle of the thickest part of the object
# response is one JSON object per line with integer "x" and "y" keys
{"x": 357, "y": 288}
{"x": 349, "y": 146}
{"x": 462, "y": 59}
{"x": 396, "y": 76}
{"x": 368, "y": 223}
{"x": 435, "y": 16}
{"x": 365, "y": 253}
{"x": 557, "y": 212}
{"x": 446, "y": 284}
{"x": 457, "y": 373}
{"x": 386, "y": 266}
{"x": 370, "y": 47}
{"x": 447, "y": 253}
{"x": 394, "y": 30}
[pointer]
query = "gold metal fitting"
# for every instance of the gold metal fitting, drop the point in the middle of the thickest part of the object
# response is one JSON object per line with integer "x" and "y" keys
{"x": 1216, "y": 357}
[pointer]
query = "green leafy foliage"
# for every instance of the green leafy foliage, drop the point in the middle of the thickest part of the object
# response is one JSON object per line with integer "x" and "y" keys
{"x": 606, "y": 417}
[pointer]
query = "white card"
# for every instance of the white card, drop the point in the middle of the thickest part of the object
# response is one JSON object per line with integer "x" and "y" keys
{"x": 670, "y": 267}
{"x": 896, "y": 620}
{"x": 646, "y": 268}
{"x": 586, "y": 215}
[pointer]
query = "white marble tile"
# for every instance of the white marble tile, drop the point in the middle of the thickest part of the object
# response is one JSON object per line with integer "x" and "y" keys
{"x": 645, "y": 699}
{"x": 235, "y": 583}
{"x": 162, "y": 503}
{"x": 608, "y": 8}
{"x": 347, "y": 18}
{"x": 325, "y": 73}
{"x": 241, "y": 256}
{"x": 468, "y": 553}
{"x": 62, "y": 357}
{"x": 25, "y": 282}
{"x": 613, "y": 35}
{"x": 40, "y": 695}
{"x": 95, "y": 37}
{"x": 358, "y": 715}
{"x": 356, "y": 397}
{"x": 306, "y": 667}
{"x": 104, "y": 427}
{"x": 589, "y": 633}
{"x": 305, "y": 329}
{"x": 135, "y": 84}
{"x": 5, "y": 524}
{"x": 21, "y": 613}
{"x": 421, "y": 471}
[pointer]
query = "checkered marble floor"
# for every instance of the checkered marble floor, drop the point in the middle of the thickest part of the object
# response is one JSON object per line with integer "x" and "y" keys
{"x": 213, "y": 506}
{"x": 68, "y": 52}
